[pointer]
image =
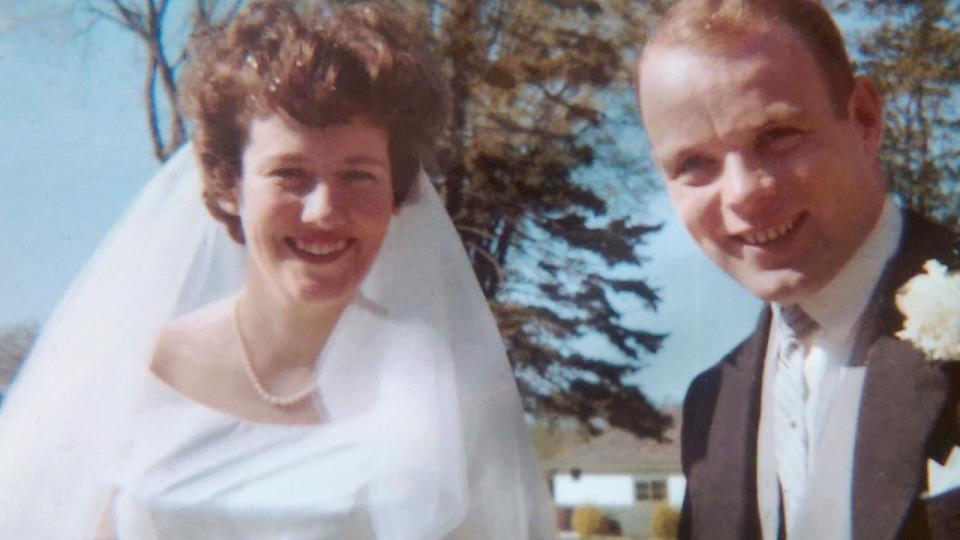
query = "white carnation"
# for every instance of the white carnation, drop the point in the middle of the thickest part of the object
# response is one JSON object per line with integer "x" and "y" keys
{"x": 931, "y": 304}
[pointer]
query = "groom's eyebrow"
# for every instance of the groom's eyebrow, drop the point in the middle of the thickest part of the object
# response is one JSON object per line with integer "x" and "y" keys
{"x": 772, "y": 115}
{"x": 783, "y": 112}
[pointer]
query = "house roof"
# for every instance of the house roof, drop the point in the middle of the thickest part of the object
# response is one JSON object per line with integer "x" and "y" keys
{"x": 15, "y": 343}
{"x": 618, "y": 451}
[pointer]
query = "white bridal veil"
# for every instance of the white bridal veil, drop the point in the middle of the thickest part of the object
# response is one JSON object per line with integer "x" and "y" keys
{"x": 418, "y": 351}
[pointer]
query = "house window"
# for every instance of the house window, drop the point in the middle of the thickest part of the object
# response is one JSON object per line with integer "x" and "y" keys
{"x": 658, "y": 490}
{"x": 651, "y": 490}
{"x": 643, "y": 490}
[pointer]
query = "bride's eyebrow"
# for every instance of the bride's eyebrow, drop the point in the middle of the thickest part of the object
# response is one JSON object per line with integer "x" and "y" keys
{"x": 362, "y": 159}
{"x": 280, "y": 160}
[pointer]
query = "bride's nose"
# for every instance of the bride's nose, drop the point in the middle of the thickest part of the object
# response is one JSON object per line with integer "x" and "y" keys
{"x": 322, "y": 204}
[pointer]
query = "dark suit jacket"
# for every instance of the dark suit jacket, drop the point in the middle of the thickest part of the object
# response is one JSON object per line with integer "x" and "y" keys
{"x": 908, "y": 413}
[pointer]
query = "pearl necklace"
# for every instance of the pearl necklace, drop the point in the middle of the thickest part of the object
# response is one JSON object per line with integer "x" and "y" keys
{"x": 272, "y": 399}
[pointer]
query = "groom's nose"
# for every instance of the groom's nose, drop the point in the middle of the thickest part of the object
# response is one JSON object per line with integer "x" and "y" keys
{"x": 744, "y": 185}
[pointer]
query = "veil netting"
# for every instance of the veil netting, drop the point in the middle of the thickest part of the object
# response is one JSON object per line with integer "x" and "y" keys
{"x": 417, "y": 352}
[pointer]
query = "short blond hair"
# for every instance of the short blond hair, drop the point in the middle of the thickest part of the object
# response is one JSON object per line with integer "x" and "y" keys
{"x": 718, "y": 24}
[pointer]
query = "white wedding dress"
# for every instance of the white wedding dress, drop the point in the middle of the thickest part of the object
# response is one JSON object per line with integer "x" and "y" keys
{"x": 426, "y": 438}
{"x": 196, "y": 472}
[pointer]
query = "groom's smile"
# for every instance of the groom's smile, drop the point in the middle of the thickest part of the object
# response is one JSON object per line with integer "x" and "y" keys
{"x": 769, "y": 147}
{"x": 764, "y": 237}
{"x": 773, "y": 178}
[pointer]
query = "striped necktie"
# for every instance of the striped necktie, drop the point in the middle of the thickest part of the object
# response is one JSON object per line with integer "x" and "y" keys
{"x": 790, "y": 393}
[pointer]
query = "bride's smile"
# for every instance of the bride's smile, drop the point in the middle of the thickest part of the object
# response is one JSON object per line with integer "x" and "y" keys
{"x": 217, "y": 375}
{"x": 314, "y": 203}
{"x": 311, "y": 249}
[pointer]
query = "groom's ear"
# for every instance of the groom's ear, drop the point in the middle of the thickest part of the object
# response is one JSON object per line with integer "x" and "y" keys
{"x": 866, "y": 109}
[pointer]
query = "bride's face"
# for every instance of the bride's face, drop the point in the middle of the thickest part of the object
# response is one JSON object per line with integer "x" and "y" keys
{"x": 315, "y": 204}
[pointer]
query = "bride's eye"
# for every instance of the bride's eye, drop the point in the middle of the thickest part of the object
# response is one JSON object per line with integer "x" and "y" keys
{"x": 291, "y": 178}
{"x": 357, "y": 175}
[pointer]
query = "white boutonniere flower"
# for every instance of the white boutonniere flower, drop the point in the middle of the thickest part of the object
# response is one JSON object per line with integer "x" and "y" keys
{"x": 930, "y": 303}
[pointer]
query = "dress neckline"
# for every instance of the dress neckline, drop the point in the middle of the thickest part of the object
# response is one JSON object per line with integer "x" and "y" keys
{"x": 170, "y": 394}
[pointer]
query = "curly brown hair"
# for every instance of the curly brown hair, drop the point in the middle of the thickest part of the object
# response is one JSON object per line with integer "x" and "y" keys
{"x": 319, "y": 66}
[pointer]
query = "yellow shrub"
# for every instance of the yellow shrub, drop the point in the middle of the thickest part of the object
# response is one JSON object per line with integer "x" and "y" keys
{"x": 665, "y": 522}
{"x": 588, "y": 521}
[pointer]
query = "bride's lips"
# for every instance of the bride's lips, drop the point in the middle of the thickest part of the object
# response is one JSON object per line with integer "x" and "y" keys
{"x": 320, "y": 248}
{"x": 772, "y": 235}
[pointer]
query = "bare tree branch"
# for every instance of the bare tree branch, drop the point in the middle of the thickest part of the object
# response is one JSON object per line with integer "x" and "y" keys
{"x": 132, "y": 19}
{"x": 150, "y": 98}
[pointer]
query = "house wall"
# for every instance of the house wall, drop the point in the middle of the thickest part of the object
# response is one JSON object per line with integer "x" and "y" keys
{"x": 604, "y": 490}
{"x": 617, "y": 496}
{"x": 676, "y": 489}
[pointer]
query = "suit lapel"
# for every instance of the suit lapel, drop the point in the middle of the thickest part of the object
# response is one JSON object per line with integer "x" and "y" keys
{"x": 733, "y": 441}
{"x": 903, "y": 396}
{"x": 902, "y": 399}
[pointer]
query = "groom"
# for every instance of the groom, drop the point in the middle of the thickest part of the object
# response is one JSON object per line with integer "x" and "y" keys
{"x": 822, "y": 424}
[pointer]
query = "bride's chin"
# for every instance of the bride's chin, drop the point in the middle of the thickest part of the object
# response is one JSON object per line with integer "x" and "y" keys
{"x": 323, "y": 294}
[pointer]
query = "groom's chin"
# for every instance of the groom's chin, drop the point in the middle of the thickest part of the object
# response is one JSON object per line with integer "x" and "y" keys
{"x": 783, "y": 286}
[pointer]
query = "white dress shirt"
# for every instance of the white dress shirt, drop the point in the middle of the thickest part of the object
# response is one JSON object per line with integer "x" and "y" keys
{"x": 837, "y": 308}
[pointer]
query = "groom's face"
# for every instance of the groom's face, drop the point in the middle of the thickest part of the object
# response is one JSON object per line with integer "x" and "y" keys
{"x": 775, "y": 184}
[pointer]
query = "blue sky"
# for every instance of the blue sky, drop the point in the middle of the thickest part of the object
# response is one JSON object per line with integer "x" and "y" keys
{"x": 75, "y": 152}
{"x": 74, "y": 149}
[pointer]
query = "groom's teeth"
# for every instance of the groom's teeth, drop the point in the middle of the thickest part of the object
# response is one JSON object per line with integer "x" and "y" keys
{"x": 769, "y": 235}
{"x": 320, "y": 249}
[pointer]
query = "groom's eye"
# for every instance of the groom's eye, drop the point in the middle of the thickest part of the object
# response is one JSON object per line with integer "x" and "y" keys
{"x": 778, "y": 139}
{"x": 692, "y": 169}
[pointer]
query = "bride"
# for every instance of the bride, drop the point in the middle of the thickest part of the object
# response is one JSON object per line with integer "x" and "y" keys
{"x": 338, "y": 376}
